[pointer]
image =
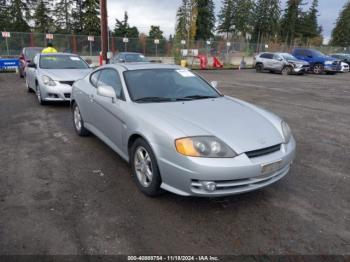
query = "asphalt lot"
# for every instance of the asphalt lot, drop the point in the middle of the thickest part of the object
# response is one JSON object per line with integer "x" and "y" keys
{"x": 63, "y": 194}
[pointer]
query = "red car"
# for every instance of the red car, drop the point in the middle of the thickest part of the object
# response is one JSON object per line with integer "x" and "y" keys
{"x": 26, "y": 57}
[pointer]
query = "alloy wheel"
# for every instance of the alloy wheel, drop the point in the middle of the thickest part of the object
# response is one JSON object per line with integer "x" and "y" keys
{"x": 143, "y": 166}
{"x": 77, "y": 119}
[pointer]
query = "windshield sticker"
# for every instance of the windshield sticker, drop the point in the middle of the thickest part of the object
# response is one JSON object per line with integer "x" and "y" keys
{"x": 185, "y": 73}
{"x": 74, "y": 58}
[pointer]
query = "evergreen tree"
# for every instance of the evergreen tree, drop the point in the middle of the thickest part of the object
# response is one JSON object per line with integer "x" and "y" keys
{"x": 155, "y": 33}
{"x": 290, "y": 24}
{"x": 341, "y": 32}
{"x": 77, "y": 17}
{"x": 236, "y": 16}
{"x": 266, "y": 19}
{"x": 186, "y": 21}
{"x": 43, "y": 22}
{"x": 123, "y": 29}
{"x": 308, "y": 27}
{"x": 17, "y": 12}
{"x": 243, "y": 15}
{"x": 205, "y": 21}
{"x": 226, "y": 24}
{"x": 63, "y": 15}
{"x": 3, "y": 15}
{"x": 91, "y": 20}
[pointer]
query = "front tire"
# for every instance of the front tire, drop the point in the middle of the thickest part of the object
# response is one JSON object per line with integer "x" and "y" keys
{"x": 318, "y": 69}
{"x": 259, "y": 68}
{"x": 78, "y": 121}
{"x": 145, "y": 168}
{"x": 286, "y": 71}
{"x": 38, "y": 95}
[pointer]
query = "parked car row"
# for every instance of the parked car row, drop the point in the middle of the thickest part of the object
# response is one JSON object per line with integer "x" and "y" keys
{"x": 302, "y": 60}
{"x": 169, "y": 124}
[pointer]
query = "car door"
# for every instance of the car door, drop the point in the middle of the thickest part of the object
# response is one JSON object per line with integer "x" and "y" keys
{"x": 85, "y": 98}
{"x": 278, "y": 62}
{"x": 109, "y": 116}
{"x": 268, "y": 60}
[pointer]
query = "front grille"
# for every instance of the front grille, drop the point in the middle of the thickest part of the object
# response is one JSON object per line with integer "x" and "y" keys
{"x": 264, "y": 151}
{"x": 239, "y": 185}
{"x": 67, "y": 95}
{"x": 67, "y": 82}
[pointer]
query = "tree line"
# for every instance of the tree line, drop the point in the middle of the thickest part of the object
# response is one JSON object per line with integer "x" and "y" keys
{"x": 62, "y": 17}
{"x": 255, "y": 20}
{"x": 259, "y": 21}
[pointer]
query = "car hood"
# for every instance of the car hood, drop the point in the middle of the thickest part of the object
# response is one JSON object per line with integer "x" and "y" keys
{"x": 298, "y": 61}
{"x": 238, "y": 125}
{"x": 66, "y": 74}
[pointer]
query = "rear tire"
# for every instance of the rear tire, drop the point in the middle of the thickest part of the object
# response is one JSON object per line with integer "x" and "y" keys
{"x": 318, "y": 69}
{"x": 145, "y": 168}
{"x": 78, "y": 121}
{"x": 259, "y": 68}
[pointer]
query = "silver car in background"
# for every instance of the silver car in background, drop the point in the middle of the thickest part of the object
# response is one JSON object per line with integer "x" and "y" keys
{"x": 283, "y": 63}
{"x": 51, "y": 76}
{"x": 179, "y": 133}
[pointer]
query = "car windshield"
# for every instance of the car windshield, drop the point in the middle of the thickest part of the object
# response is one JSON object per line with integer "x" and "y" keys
{"x": 31, "y": 53}
{"x": 62, "y": 62}
{"x": 288, "y": 56}
{"x": 317, "y": 53}
{"x": 135, "y": 58}
{"x": 167, "y": 85}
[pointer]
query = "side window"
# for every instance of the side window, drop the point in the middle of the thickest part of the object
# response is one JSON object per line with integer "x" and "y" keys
{"x": 267, "y": 56}
{"x": 277, "y": 57}
{"x": 110, "y": 77}
{"x": 94, "y": 78}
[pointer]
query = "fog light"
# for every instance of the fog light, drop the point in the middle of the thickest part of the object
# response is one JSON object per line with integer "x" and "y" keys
{"x": 209, "y": 186}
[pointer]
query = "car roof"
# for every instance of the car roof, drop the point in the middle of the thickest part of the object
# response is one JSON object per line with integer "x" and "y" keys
{"x": 57, "y": 54}
{"x": 140, "y": 66}
{"x": 129, "y": 53}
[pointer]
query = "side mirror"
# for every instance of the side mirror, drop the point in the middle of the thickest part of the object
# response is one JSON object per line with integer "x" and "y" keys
{"x": 31, "y": 65}
{"x": 121, "y": 60}
{"x": 309, "y": 56}
{"x": 107, "y": 91}
{"x": 214, "y": 84}
{"x": 280, "y": 59}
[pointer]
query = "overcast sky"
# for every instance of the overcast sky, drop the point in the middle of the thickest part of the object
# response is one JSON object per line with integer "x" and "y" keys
{"x": 144, "y": 13}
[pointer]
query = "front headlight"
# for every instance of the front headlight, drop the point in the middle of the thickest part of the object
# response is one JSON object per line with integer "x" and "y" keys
{"x": 328, "y": 62}
{"x": 204, "y": 146}
{"x": 287, "y": 133}
{"x": 48, "y": 81}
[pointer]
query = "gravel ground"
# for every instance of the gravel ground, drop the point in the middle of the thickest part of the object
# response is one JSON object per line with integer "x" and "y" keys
{"x": 62, "y": 194}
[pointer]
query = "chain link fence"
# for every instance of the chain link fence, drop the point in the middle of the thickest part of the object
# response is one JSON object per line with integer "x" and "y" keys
{"x": 81, "y": 45}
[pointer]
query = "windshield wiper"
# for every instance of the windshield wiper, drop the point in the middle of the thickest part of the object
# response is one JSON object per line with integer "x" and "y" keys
{"x": 153, "y": 99}
{"x": 196, "y": 97}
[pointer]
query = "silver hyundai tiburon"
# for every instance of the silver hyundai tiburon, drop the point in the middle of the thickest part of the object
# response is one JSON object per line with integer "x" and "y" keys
{"x": 179, "y": 133}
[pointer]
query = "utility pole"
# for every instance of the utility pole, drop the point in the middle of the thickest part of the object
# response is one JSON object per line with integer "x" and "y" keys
{"x": 104, "y": 30}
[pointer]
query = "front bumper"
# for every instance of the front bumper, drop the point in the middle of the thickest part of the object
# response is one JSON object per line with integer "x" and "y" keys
{"x": 299, "y": 70}
{"x": 59, "y": 92}
{"x": 232, "y": 175}
{"x": 332, "y": 68}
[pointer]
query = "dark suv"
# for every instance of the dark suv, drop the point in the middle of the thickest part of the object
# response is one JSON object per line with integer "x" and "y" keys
{"x": 319, "y": 62}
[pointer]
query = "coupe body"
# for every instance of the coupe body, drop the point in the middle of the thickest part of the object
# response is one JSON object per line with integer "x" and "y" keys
{"x": 51, "y": 76}
{"x": 179, "y": 133}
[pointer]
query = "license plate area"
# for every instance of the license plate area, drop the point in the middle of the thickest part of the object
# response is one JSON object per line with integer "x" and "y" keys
{"x": 269, "y": 169}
